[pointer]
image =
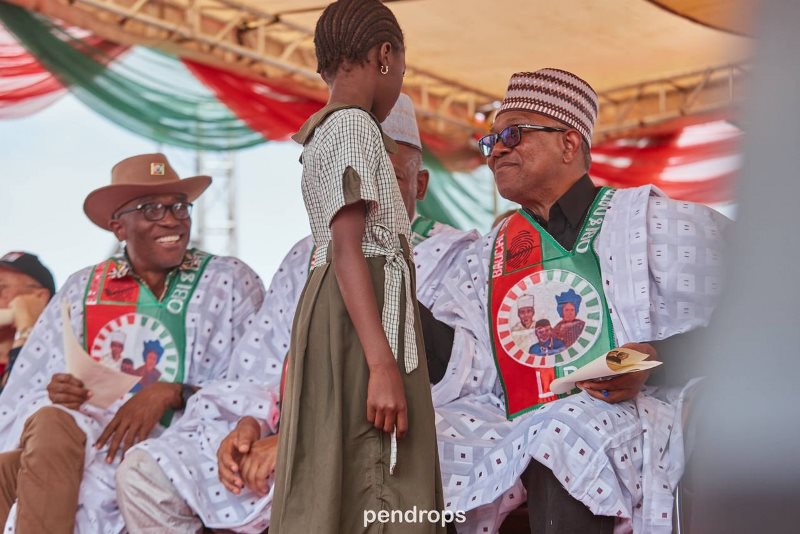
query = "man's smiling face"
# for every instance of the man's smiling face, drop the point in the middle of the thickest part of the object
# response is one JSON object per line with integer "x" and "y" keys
{"x": 154, "y": 245}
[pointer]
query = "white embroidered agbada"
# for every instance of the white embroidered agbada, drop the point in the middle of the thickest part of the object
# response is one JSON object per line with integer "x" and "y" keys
{"x": 660, "y": 261}
{"x": 225, "y": 301}
{"x": 187, "y": 451}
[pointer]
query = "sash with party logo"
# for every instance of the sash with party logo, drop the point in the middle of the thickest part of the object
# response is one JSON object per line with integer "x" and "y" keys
{"x": 548, "y": 312}
{"x": 127, "y": 328}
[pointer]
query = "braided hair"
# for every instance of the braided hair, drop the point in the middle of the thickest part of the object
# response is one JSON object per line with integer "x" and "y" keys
{"x": 348, "y": 29}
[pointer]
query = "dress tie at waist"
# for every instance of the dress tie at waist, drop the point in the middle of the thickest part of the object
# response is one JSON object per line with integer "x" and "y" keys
{"x": 396, "y": 273}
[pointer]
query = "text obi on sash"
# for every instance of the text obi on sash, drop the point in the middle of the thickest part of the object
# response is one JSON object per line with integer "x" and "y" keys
{"x": 128, "y": 328}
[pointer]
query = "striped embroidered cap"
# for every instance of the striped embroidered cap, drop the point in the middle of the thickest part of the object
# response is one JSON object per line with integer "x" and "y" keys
{"x": 556, "y": 93}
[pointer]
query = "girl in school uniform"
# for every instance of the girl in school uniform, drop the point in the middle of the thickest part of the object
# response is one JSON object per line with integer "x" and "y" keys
{"x": 357, "y": 425}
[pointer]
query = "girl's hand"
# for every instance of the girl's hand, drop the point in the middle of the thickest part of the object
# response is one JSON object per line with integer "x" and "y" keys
{"x": 386, "y": 399}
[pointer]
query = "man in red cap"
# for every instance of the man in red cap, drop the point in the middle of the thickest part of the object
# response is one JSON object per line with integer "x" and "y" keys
{"x": 26, "y": 287}
{"x": 61, "y": 446}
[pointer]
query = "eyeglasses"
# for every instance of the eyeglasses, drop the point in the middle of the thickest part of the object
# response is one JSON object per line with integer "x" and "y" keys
{"x": 157, "y": 211}
{"x": 511, "y": 136}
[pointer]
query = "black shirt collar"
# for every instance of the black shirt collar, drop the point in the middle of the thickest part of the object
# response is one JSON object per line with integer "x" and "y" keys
{"x": 573, "y": 204}
{"x": 567, "y": 214}
{"x": 576, "y": 201}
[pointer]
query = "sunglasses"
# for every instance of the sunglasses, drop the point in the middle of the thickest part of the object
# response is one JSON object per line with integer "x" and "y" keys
{"x": 511, "y": 136}
{"x": 156, "y": 211}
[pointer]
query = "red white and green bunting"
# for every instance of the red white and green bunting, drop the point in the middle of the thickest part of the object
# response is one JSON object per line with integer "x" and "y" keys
{"x": 188, "y": 104}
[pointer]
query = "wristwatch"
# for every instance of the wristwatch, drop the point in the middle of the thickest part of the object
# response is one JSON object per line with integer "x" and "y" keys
{"x": 186, "y": 392}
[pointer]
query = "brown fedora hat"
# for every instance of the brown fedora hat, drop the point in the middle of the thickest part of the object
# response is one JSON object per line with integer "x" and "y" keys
{"x": 138, "y": 176}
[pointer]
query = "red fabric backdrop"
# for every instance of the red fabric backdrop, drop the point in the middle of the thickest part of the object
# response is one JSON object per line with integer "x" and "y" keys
{"x": 274, "y": 112}
{"x": 25, "y": 86}
{"x": 696, "y": 163}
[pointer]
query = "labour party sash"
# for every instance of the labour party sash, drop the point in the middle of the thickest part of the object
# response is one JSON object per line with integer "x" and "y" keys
{"x": 126, "y": 327}
{"x": 548, "y": 312}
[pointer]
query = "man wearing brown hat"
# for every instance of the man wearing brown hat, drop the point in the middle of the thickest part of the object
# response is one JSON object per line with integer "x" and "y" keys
{"x": 646, "y": 268}
{"x": 26, "y": 287}
{"x": 62, "y": 447}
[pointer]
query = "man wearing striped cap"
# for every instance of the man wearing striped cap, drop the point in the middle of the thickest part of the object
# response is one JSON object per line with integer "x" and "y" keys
{"x": 607, "y": 455}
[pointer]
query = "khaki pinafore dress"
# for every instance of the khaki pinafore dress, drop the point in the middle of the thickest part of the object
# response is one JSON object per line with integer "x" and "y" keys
{"x": 333, "y": 467}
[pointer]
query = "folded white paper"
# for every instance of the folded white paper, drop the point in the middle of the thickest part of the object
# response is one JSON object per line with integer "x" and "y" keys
{"x": 616, "y": 362}
{"x": 106, "y": 384}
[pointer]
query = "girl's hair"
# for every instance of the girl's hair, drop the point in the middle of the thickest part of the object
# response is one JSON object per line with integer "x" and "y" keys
{"x": 348, "y": 29}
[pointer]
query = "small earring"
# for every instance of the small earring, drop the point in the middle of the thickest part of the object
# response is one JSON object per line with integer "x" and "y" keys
{"x": 384, "y": 69}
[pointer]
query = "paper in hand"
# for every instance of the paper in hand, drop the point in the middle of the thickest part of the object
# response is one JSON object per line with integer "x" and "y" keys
{"x": 106, "y": 384}
{"x": 616, "y": 362}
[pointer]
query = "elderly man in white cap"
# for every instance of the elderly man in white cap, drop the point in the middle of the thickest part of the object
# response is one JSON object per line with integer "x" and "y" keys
{"x": 62, "y": 446}
{"x": 214, "y": 467}
{"x": 523, "y": 331}
{"x": 116, "y": 349}
{"x": 645, "y": 267}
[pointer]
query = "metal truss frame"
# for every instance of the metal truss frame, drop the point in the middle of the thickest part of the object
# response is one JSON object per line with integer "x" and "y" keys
{"x": 624, "y": 111}
{"x": 252, "y": 40}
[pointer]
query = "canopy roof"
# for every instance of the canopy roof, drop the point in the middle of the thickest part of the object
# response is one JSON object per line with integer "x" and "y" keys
{"x": 649, "y": 63}
{"x": 735, "y": 16}
{"x": 610, "y": 43}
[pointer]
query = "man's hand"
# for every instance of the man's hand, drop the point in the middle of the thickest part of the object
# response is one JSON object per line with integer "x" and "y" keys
{"x": 386, "y": 399}
{"x": 136, "y": 418}
{"x": 233, "y": 449}
{"x": 259, "y": 463}
{"x": 26, "y": 310}
{"x": 66, "y": 390}
{"x": 624, "y": 387}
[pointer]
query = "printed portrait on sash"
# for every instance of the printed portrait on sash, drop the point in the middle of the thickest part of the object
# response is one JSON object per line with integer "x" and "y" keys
{"x": 139, "y": 345}
{"x": 550, "y": 318}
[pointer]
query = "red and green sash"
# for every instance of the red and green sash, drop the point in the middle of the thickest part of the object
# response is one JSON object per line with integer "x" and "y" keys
{"x": 122, "y": 313}
{"x": 535, "y": 281}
